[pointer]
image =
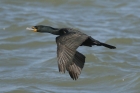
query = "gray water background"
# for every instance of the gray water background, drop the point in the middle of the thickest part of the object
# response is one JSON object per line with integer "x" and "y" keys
{"x": 28, "y": 62}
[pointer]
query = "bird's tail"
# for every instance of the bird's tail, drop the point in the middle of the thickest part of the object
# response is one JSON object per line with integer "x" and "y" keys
{"x": 106, "y": 45}
{"x": 98, "y": 43}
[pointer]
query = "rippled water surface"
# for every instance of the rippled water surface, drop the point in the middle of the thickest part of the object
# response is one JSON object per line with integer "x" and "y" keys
{"x": 28, "y": 62}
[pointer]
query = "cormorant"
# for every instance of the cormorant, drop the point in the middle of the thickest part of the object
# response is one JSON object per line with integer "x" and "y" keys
{"x": 68, "y": 40}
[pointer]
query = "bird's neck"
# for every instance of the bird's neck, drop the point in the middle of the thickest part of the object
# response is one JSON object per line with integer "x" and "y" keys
{"x": 54, "y": 31}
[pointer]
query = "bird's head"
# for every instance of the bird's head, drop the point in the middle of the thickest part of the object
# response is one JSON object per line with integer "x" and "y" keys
{"x": 43, "y": 29}
{"x": 39, "y": 28}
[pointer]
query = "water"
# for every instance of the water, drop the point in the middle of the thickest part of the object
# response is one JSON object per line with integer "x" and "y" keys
{"x": 28, "y": 61}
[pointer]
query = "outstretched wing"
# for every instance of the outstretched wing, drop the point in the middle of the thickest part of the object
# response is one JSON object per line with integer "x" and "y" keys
{"x": 67, "y": 56}
{"x": 78, "y": 63}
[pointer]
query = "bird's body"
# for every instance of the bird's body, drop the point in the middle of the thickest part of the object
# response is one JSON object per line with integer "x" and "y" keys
{"x": 68, "y": 40}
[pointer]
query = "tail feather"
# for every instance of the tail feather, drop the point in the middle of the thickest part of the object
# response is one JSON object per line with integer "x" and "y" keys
{"x": 107, "y": 45}
{"x": 98, "y": 43}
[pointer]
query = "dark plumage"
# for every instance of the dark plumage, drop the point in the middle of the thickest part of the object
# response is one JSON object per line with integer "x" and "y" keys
{"x": 68, "y": 41}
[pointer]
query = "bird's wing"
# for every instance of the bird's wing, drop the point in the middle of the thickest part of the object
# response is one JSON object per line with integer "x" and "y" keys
{"x": 75, "y": 68}
{"x": 68, "y": 57}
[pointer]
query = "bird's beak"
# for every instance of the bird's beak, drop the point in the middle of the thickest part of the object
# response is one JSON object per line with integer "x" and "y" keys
{"x": 31, "y": 29}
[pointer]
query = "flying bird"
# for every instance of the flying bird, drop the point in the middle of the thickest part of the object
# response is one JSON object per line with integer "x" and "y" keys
{"x": 68, "y": 40}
